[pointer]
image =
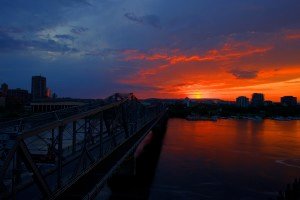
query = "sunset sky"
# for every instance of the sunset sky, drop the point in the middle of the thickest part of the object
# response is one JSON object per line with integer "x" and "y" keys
{"x": 154, "y": 48}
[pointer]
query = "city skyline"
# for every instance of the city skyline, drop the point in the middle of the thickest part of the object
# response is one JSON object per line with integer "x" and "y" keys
{"x": 169, "y": 49}
{"x": 45, "y": 90}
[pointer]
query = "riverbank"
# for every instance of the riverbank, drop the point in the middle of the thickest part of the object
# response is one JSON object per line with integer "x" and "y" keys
{"x": 205, "y": 111}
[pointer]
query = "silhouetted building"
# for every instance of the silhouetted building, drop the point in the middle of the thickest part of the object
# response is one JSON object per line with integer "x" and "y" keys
{"x": 2, "y": 102}
{"x": 268, "y": 103}
{"x": 38, "y": 87}
{"x": 257, "y": 99}
{"x": 289, "y": 101}
{"x": 4, "y": 89}
{"x": 242, "y": 101}
{"x": 17, "y": 98}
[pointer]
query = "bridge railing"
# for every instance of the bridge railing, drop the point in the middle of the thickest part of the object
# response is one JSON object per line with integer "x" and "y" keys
{"x": 51, "y": 151}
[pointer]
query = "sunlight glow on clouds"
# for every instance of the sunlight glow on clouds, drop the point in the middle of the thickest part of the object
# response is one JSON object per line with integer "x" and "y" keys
{"x": 208, "y": 49}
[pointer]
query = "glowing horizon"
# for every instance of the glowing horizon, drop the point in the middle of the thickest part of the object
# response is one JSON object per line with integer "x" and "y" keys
{"x": 164, "y": 49}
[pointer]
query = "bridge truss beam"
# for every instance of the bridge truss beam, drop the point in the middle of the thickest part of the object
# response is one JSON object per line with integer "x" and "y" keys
{"x": 46, "y": 154}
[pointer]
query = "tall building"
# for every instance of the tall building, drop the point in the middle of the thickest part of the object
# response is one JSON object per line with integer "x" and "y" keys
{"x": 242, "y": 101}
{"x": 4, "y": 89}
{"x": 38, "y": 87}
{"x": 257, "y": 99}
{"x": 289, "y": 101}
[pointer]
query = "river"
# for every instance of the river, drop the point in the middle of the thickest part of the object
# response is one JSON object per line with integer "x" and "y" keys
{"x": 227, "y": 159}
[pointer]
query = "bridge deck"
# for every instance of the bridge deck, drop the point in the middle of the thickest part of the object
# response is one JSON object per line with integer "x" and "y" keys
{"x": 85, "y": 144}
{"x": 96, "y": 177}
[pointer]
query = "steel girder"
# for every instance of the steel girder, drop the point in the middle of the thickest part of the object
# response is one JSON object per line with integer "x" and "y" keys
{"x": 44, "y": 154}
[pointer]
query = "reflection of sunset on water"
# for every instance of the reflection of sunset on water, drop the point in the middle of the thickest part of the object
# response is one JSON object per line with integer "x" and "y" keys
{"x": 233, "y": 154}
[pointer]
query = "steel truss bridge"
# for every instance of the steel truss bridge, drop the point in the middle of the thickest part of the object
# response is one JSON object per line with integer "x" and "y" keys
{"x": 71, "y": 153}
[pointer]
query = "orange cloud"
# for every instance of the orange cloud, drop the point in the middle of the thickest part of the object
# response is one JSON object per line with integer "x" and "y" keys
{"x": 230, "y": 51}
{"x": 236, "y": 68}
{"x": 274, "y": 83}
{"x": 293, "y": 37}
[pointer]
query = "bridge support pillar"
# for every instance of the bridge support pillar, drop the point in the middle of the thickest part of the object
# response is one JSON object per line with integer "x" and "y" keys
{"x": 101, "y": 135}
{"x": 59, "y": 157}
{"x": 74, "y": 140}
{"x": 128, "y": 167}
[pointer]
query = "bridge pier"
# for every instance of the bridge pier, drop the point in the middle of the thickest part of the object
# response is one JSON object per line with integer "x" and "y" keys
{"x": 74, "y": 139}
{"x": 59, "y": 157}
{"x": 101, "y": 135}
{"x": 134, "y": 177}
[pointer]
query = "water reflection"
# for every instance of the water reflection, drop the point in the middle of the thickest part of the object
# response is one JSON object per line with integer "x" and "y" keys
{"x": 236, "y": 159}
{"x": 227, "y": 159}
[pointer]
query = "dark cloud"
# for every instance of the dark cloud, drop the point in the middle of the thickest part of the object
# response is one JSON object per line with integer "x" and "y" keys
{"x": 244, "y": 74}
{"x": 7, "y": 30}
{"x": 36, "y": 15}
{"x": 104, "y": 52}
{"x": 106, "y": 29}
{"x": 74, "y": 2}
{"x": 50, "y": 45}
{"x": 65, "y": 37}
{"x": 8, "y": 44}
{"x": 78, "y": 30}
{"x": 133, "y": 17}
{"x": 139, "y": 88}
{"x": 151, "y": 20}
